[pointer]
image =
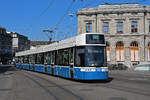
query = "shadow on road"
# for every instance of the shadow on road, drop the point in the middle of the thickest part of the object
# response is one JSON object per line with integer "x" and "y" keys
{"x": 90, "y": 81}
{"x": 95, "y": 81}
{"x": 5, "y": 68}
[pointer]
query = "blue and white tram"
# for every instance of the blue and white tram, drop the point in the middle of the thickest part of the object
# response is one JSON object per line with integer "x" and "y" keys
{"x": 81, "y": 58}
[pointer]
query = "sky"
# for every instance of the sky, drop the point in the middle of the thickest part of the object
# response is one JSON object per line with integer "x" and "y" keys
{"x": 31, "y": 17}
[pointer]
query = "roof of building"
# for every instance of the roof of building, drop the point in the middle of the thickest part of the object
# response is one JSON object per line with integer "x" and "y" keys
{"x": 35, "y": 43}
{"x": 2, "y": 27}
{"x": 113, "y": 8}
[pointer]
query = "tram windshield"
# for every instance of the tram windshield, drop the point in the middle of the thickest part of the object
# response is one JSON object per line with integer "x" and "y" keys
{"x": 90, "y": 56}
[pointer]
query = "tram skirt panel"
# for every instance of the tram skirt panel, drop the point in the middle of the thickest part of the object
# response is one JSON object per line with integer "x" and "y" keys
{"x": 62, "y": 71}
{"x": 17, "y": 66}
{"x": 49, "y": 69}
{"x": 90, "y": 75}
{"x": 27, "y": 66}
{"x": 31, "y": 67}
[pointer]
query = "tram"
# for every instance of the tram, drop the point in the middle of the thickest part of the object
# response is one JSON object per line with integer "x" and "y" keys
{"x": 80, "y": 58}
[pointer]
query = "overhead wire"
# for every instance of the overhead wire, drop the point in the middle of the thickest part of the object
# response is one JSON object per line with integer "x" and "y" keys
{"x": 42, "y": 13}
{"x": 50, "y": 4}
{"x": 62, "y": 17}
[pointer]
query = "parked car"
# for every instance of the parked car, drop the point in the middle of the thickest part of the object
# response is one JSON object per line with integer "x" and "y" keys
{"x": 142, "y": 67}
{"x": 118, "y": 66}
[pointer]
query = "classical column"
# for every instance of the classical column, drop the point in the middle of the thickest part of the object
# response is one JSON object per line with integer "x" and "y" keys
{"x": 127, "y": 56}
{"x": 142, "y": 50}
{"x": 112, "y": 52}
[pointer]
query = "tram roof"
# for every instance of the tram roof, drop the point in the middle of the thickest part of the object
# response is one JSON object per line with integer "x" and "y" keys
{"x": 78, "y": 40}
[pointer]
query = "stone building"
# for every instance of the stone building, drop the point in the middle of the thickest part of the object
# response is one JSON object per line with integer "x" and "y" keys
{"x": 126, "y": 28}
{"x": 19, "y": 42}
{"x": 5, "y": 46}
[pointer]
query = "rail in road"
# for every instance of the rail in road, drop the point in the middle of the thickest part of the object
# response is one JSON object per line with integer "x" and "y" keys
{"x": 54, "y": 87}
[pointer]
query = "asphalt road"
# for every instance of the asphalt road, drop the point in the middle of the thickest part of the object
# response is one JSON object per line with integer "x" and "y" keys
{"x": 26, "y": 85}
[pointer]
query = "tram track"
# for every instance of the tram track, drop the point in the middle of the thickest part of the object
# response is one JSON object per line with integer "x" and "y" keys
{"x": 21, "y": 89}
{"x": 40, "y": 81}
{"x": 43, "y": 87}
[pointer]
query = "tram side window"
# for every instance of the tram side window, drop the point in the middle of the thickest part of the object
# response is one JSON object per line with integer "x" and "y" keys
{"x": 80, "y": 56}
{"x": 32, "y": 59}
{"x": 40, "y": 58}
{"x": 22, "y": 59}
{"x": 47, "y": 58}
{"x": 53, "y": 57}
{"x": 60, "y": 57}
{"x": 63, "y": 57}
{"x": 26, "y": 59}
{"x": 71, "y": 59}
{"x": 17, "y": 59}
{"x": 66, "y": 57}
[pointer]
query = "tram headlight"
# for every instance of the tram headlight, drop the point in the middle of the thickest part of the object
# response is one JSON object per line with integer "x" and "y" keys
{"x": 104, "y": 69}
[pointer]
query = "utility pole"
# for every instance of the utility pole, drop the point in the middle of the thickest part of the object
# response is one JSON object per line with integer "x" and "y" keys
{"x": 50, "y": 34}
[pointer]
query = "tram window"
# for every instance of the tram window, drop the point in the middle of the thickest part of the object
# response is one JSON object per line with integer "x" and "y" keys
{"x": 21, "y": 59}
{"x": 53, "y": 57}
{"x": 17, "y": 59}
{"x": 32, "y": 59}
{"x": 90, "y": 56}
{"x": 71, "y": 56}
{"x": 26, "y": 58}
{"x": 60, "y": 57}
{"x": 80, "y": 56}
{"x": 40, "y": 58}
{"x": 47, "y": 58}
{"x": 95, "y": 39}
{"x": 95, "y": 56}
{"x": 66, "y": 57}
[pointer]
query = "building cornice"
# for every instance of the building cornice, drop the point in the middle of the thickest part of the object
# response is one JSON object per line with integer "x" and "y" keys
{"x": 126, "y": 35}
{"x": 114, "y": 9}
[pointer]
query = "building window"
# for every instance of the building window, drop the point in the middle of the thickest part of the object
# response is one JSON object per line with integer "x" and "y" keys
{"x": 88, "y": 27}
{"x": 119, "y": 27}
{"x": 108, "y": 51}
{"x": 134, "y": 26}
{"x": 148, "y": 51}
{"x": 105, "y": 27}
{"x": 119, "y": 51}
{"x": 134, "y": 51}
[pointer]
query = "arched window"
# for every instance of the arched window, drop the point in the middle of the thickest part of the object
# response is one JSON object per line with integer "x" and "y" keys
{"x": 148, "y": 51}
{"x": 108, "y": 51}
{"x": 134, "y": 51}
{"x": 119, "y": 51}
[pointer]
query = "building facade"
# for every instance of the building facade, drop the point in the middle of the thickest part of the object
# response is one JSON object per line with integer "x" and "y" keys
{"x": 19, "y": 42}
{"x": 126, "y": 28}
{"x": 5, "y": 46}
